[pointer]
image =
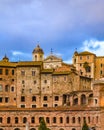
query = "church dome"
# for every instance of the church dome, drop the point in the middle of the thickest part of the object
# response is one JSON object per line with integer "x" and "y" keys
{"x": 5, "y": 58}
{"x": 38, "y": 50}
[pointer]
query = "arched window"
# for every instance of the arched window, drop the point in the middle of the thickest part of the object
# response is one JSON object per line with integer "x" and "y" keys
{"x": 67, "y": 119}
{"x": 96, "y": 119}
{"x": 8, "y": 120}
{"x": 73, "y": 129}
{"x": 40, "y": 119}
{"x": 83, "y": 99}
{"x": 24, "y": 120}
{"x": 16, "y": 129}
{"x": 6, "y": 88}
{"x": 47, "y": 120}
{"x": 89, "y": 119}
{"x": 16, "y": 120}
{"x": 54, "y": 119}
{"x": 32, "y": 129}
{"x": 61, "y": 119}
{"x": 32, "y": 119}
{"x": 73, "y": 119}
{"x": 75, "y": 99}
{"x": 35, "y": 57}
{"x": 79, "y": 120}
{"x": 1, "y": 119}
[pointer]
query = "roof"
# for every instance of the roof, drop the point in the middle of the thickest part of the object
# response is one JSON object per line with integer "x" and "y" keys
{"x": 7, "y": 64}
{"x": 29, "y": 63}
{"x": 86, "y": 53}
{"x": 52, "y": 58}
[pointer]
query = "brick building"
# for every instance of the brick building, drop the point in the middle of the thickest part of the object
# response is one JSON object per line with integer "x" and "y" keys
{"x": 51, "y": 89}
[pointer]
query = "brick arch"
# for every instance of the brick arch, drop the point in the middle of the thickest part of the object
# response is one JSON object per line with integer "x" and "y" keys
{"x": 17, "y": 129}
{"x": 83, "y": 99}
{"x": 75, "y": 99}
{"x": 32, "y": 129}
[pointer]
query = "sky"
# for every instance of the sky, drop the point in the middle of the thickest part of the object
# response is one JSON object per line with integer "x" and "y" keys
{"x": 63, "y": 25}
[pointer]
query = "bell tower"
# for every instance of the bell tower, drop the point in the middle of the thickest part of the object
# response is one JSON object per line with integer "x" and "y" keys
{"x": 38, "y": 54}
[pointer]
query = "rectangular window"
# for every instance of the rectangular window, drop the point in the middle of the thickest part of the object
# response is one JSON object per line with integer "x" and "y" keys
{"x": 22, "y": 98}
{"x": 1, "y": 71}
{"x": 22, "y": 72}
{"x": 1, "y": 99}
{"x": 33, "y": 106}
{"x": 45, "y": 98}
{"x": 80, "y": 57}
{"x": 56, "y": 98}
{"x": 12, "y": 72}
{"x": 45, "y": 105}
{"x": 33, "y": 73}
{"x": 22, "y": 106}
{"x": 33, "y": 98}
{"x": 6, "y": 72}
{"x": 23, "y": 81}
{"x": 6, "y": 99}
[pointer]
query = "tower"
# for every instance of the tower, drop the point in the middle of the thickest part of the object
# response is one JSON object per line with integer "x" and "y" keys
{"x": 38, "y": 54}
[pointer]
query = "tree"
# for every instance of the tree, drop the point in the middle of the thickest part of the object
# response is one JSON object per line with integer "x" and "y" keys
{"x": 42, "y": 125}
{"x": 85, "y": 126}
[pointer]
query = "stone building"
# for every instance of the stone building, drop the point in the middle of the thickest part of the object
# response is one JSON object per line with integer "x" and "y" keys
{"x": 52, "y": 89}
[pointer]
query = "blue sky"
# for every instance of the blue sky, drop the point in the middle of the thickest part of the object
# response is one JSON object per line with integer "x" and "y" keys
{"x": 62, "y": 25}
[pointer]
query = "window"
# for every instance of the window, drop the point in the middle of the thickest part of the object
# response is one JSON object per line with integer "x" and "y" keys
{"x": 6, "y": 88}
{"x": 22, "y": 106}
{"x": 6, "y": 99}
{"x": 1, "y": 99}
{"x": 88, "y": 57}
{"x": 65, "y": 78}
{"x": 16, "y": 120}
{"x": 8, "y": 120}
{"x": 55, "y": 105}
{"x": 12, "y": 80}
{"x": 22, "y": 98}
{"x": 32, "y": 119}
{"x": 22, "y": 72}
{"x": 67, "y": 119}
{"x": 47, "y": 120}
{"x": 30, "y": 90}
{"x": 1, "y": 88}
{"x": 54, "y": 119}
{"x": 101, "y": 72}
{"x": 6, "y": 72}
{"x": 1, "y": 71}
{"x": 56, "y": 98}
{"x": 73, "y": 119}
{"x": 95, "y": 101}
{"x": 80, "y": 57}
{"x": 80, "y": 64}
{"x": 79, "y": 120}
{"x": 33, "y": 106}
{"x": 12, "y": 72}
{"x": 35, "y": 57}
{"x": 22, "y": 90}
{"x": 45, "y": 98}
{"x": 23, "y": 81}
{"x": 45, "y": 81}
{"x": 61, "y": 120}
{"x": 45, "y": 105}
{"x": 34, "y": 81}
{"x": 88, "y": 119}
{"x": 101, "y": 65}
{"x": 33, "y": 73}
{"x": 24, "y": 120}
{"x": 0, "y": 79}
{"x": 12, "y": 89}
{"x": 33, "y": 98}
{"x": 1, "y": 119}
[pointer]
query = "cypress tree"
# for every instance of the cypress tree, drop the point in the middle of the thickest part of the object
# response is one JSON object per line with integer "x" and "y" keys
{"x": 85, "y": 126}
{"x": 42, "y": 125}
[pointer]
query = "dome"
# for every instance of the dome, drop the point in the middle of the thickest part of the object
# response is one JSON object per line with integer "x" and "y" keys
{"x": 38, "y": 50}
{"x": 5, "y": 58}
{"x": 75, "y": 53}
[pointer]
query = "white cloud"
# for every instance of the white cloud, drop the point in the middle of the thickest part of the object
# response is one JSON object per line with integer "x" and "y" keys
{"x": 20, "y": 55}
{"x": 94, "y": 46}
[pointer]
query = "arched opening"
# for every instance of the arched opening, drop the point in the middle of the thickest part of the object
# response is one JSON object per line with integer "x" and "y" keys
{"x": 32, "y": 129}
{"x": 1, "y": 129}
{"x": 24, "y": 120}
{"x": 67, "y": 119}
{"x": 73, "y": 119}
{"x": 16, "y": 120}
{"x": 8, "y": 120}
{"x": 16, "y": 129}
{"x": 83, "y": 99}
{"x": 54, "y": 119}
{"x": 73, "y": 129}
{"x": 61, "y": 119}
{"x": 75, "y": 99}
{"x": 47, "y": 120}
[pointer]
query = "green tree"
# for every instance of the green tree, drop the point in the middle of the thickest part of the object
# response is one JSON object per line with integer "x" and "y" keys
{"x": 85, "y": 126}
{"x": 42, "y": 125}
